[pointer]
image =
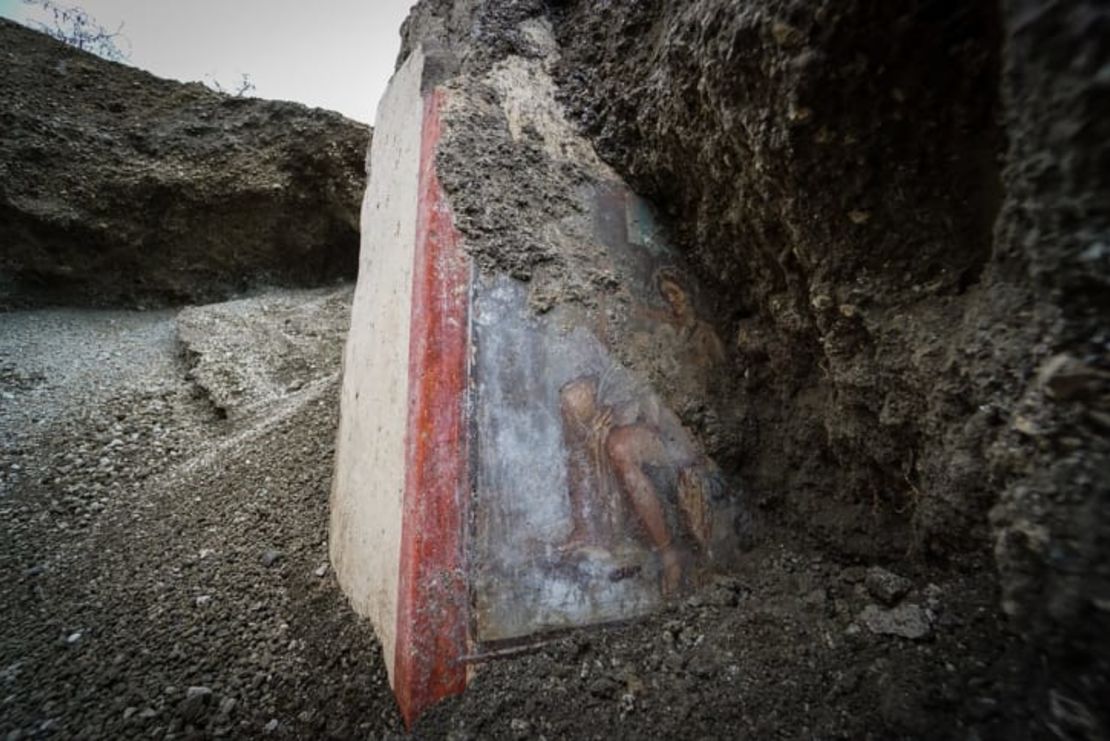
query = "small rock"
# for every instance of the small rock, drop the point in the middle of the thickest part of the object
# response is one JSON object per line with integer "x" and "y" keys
{"x": 1073, "y": 716}
{"x": 195, "y": 705}
{"x": 270, "y": 557}
{"x": 634, "y": 684}
{"x": 718, "y": 597}
{"x": 321, "y": 571}
{"x": 696, "y": 601}
{"x": 785, "y": 34}
{"x": 226, "y": 706}
{"x": 34, "y": 571}
{"x": 904, "y": 621}
{"x": 983, "y": 708}
{"x": 128, "y": 712}
{"x": 816, "y": 598}
{"x": 1065, "y": 378}
{"x": 703, "y": 665}
{"x": 73, "y": 638}
{"x": 520, "y": 728}
{"x": 271, "y": 726}
{"x": 604, "y": 687}
{"x": 203, "y": 600}
{"x": 725, "y": 591}
{"x": 885, "y": 586}
{"x": 853, "y": 574}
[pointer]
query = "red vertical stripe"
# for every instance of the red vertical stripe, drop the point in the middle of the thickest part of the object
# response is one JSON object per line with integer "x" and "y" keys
{"x": 432, "y": 606}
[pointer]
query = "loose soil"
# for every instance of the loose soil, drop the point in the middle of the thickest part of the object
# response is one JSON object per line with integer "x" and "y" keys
{"x": 139, "y": 517}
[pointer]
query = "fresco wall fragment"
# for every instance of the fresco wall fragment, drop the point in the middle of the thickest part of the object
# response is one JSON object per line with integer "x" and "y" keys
{"x": 591, "y": 500}
{"x": 509, "y": 464}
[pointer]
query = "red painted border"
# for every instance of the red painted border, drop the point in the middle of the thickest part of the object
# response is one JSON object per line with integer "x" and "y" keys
{"x": 432, "y": 602}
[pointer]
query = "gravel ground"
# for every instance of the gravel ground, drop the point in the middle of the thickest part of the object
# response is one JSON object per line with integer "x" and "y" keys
{"x": 163, "y": 562}
{"x": 795, "y": 645}
{"x": 164, "y": 511}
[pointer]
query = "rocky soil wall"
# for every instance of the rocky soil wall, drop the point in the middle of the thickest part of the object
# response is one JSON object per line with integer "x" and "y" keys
{"x": 117, "y": 186}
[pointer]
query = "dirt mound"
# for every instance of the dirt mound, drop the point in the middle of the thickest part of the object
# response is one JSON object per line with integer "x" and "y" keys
{"x": 116, "y": 185}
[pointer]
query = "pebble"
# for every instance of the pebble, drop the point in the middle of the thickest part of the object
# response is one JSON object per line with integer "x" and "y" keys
{"x": 904, "y": 621}
{"x": 321, "y": 571}
{"x": 521, "y": 728}
{"x": 886, "y": 586}
{"x": 703, "y": 665}
{"x": 203, "y": 600}
{"x": 853, "y": 574}
{"x": 270, "y": 556}
{"x": 816, "y": 598}
{"x": 604, "y": 687}
{"x": 194, "y": 707}
{"x": 227, "y": 705}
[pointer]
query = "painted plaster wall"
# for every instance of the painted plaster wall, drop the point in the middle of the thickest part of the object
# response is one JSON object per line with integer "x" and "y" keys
{"x": 368, "y": 489}
{"x": 560, "y": 537}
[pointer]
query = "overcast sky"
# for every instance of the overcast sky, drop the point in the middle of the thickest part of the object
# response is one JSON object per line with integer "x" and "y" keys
{"x": 335, "y": 54}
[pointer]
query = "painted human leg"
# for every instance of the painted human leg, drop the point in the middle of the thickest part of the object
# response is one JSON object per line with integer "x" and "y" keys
{"x": 578, "y": 408}
{"x": 629, "y": 448}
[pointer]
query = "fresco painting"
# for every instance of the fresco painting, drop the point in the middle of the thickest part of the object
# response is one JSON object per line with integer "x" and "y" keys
{"x": 591, "y": 502}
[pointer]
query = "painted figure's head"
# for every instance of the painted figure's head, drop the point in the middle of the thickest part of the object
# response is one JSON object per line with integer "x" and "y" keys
{"x": 670, "y": 287}
{"x": 578, "y": 399}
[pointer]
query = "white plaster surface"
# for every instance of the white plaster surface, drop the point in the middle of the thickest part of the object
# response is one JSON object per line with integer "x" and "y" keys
{"x": 368, "y": 488}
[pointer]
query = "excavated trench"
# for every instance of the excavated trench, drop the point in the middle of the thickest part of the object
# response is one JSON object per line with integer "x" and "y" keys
{"x": 895, "y": 212}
